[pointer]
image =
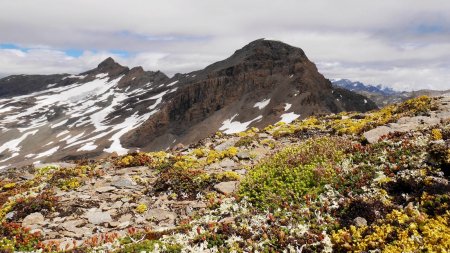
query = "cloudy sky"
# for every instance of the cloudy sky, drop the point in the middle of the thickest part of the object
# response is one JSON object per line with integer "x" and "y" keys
{"x": 402, "y": 44}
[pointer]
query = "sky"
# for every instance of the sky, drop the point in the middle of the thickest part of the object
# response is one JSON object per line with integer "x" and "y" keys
{"x": 404, "y": 44}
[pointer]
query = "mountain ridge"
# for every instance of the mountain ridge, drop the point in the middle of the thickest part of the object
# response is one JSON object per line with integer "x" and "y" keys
{"x": 113, "y": 108}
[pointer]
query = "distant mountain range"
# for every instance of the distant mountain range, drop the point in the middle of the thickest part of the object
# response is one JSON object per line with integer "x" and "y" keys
{"x": 382, "y": 95}
{"x": 361, "y": 87}
{"x": 113, "y": 108}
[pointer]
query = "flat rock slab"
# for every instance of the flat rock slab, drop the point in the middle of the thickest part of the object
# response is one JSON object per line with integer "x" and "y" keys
{"x": 104, "y": 189}
{"x": 374, "y": 135}
{"x": 226, "y": 145}
{"x": 74, "y": 226}
{"x": 33, "y": 219}
{"x": 123, "y": 182}
{"x": 243, "y": 154}
{"x": 96, "y": 216}
{"x": 161, "y": 215}
{"x": 59, "y": 165}
{"x": 404, "y": 124}
{"x": 227, "y": 163}
{"x": 226, "y": 187}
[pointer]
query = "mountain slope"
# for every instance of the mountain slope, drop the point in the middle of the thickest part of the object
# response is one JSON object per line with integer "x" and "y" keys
{"x": 262, "y": 83}
{"x": 348, "y": 182}
{"x": 113, "y": 108}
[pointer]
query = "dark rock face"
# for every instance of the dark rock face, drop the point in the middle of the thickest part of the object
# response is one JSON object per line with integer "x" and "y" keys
{"x": 24, "y": 84}
{"x": 113, "y": 108}
{"x": 109, "y": 66}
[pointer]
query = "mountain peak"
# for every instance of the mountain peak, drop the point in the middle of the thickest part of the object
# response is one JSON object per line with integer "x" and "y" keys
{"x": 110, "y": 66}
{"x": 108, "y": 63}
{"x": 260, "y": 52}
{"x": 271, "y": 47}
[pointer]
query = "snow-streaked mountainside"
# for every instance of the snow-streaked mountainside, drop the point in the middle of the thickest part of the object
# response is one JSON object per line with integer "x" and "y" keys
{"x": 116, "y": 109}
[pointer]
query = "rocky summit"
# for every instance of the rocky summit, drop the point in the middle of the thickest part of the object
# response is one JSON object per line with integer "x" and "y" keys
{"x": 341, "y": 182}
{"x": 113, "y": 109}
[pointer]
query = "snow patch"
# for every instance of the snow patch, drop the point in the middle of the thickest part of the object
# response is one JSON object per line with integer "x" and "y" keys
{"x": 7, "y": 109}
{"x": 50, "y": 143}
{"x": 289, "y": 117}
{"x": 62, "y": 133}
{"x": 262, "y": 104}
{"x": 59, "y": 124}
{"x": 48, "y": 152}
{"x": 129, "y": 124}
{"x": 12, "y": 145}
{"x": 172, "y": 83}
{"x": 88, "y": 147}
{"x": 75, "y": 138}
{"x": 230, "y": 127}
{"x": 101, "y": 75}
{"x": 287, "y": 107}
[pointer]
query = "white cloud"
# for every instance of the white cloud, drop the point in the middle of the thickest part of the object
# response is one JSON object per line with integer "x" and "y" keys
{"x": 404, "y": 43}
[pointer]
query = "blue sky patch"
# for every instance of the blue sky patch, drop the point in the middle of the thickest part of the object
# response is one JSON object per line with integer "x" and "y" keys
{"x": 12, "y": 46}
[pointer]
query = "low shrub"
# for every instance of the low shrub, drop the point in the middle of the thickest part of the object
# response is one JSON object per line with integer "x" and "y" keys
{"x": 293, "y": 172}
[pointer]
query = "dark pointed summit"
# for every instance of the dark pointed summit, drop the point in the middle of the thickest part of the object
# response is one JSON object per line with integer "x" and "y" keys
{"x": 108, "y": 64}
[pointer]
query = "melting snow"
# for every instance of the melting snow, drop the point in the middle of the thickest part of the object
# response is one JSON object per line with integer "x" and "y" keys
{"x": 289, "y": 117}
{"x": 59, "y": 124}
{"x": 12, "y": 145}
{"x": 48, "y": 143}
{"x": 7, "y": 109}
{"x": 129, "y": 124}
{"x": 6, "y": 159}
{"x": 75, "y": 76}
{"x": 262, "y": 104}
{"x": 75, "y": 138}
{"x": 158, "y": 98}
{"x": 101, "y": 75}
{"x": 88, "y": 147}
{"x": 287, "y": 106}
{"x": 230, "y": 127}
{"x": 172, "y": 83}
{"x": 62, "y": 133}
{"x": 66, "y": 138}
{"x": 48, "y": 152}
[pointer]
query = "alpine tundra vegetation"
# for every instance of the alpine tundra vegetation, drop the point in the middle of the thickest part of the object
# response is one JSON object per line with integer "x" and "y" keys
{"x": 347, "y": 182}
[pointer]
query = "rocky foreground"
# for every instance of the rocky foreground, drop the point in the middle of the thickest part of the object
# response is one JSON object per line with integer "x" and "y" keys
{"x": 345, "y": 182}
